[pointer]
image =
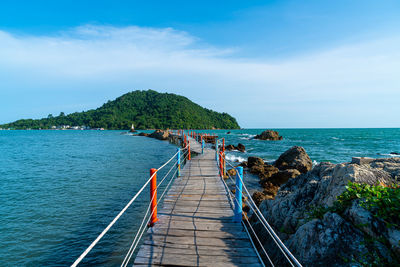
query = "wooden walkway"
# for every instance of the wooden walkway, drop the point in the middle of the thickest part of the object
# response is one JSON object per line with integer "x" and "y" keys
{"x": 195, "y": 226}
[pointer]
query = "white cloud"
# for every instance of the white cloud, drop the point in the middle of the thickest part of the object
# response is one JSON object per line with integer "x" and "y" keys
{"x": 354, "y": 80}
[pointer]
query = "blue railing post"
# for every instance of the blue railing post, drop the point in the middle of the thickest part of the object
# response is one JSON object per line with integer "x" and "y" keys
{"x": 216, "y": 151}
{"x": 202, "y": 146}
{"x": 238, "y": 194}
{"x": 178, "y": 158}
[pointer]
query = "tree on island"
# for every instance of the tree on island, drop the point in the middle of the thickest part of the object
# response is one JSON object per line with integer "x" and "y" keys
{"x": 145, "y": 109}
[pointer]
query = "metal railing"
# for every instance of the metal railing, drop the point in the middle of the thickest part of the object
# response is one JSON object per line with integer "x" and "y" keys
{"x": 240, "y": 187}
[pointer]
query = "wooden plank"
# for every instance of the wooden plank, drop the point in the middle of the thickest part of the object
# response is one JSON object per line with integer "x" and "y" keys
{"x": 222, "y": 211}
{"x": 211, "y": 216}
{"x": 190, "y": 232}
{"x": 200, "y": 241}
{"x": 217, "y": 226}
{"x": 212, "y": 251}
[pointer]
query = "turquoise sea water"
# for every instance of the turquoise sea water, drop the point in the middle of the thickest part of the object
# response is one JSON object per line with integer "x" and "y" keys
{"x": 59, "y": 189}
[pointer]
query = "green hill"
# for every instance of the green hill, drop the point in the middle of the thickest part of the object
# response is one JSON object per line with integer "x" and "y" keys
{"x": 145, "y": 109}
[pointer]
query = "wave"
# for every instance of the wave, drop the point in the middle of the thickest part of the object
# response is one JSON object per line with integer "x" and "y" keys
{"x": 389, "y": 154}
{"x": 235, "y": 158}
{"x": 248, "y": 135}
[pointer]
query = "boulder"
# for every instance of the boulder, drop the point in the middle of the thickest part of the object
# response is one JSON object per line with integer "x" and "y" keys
{"x": 244, "y": 164}
{"x": 230, "y": 147}
{"x": 252, "y": 161}
{"x": 269, "y": 135}
{"x": 143, "y": 134}
{"x": 270, "y": 189}
{"x": 257, "y": 169}
{"x": 160, "y": 135}
{"x": 269, "y": 170}
{"x": 241, "y": 147}
{"x": 282, "y": 177}
{"x": 294, "y": 158}
{"x": 259, "y": 197}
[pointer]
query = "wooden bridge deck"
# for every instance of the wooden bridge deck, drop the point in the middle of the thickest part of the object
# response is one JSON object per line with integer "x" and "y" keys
{"x": 195, "y": 226}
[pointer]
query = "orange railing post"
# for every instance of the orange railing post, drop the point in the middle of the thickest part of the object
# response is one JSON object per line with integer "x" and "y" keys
{"x": 153, "y": 197}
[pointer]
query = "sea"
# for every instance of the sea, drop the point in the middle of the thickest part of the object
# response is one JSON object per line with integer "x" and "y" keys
{"x": 60, "y": 189}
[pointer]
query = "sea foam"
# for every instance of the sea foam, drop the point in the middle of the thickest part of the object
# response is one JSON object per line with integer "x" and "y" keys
{"x": 235, "y": 158}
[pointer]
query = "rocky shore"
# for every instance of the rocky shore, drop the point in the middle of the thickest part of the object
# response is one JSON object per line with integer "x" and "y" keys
{"x": 333, "y": 214}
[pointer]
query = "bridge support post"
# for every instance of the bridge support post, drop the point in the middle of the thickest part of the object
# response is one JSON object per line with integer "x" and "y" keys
{"x": 178, "y": 158}
{"x": 238, "y": 194}
{"x": 153, "y": 197}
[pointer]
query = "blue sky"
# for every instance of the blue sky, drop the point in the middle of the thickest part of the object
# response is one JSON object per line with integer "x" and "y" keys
{"x": 270, "y": 64}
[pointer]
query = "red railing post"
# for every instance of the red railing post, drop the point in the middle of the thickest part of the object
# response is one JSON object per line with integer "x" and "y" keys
{"x": 185, "y": 142}
{"x": 220, "y": 164}
{"x": 189, "y": 157}
{"x": 153, "y": 197}
{"x": 223, "y": 157}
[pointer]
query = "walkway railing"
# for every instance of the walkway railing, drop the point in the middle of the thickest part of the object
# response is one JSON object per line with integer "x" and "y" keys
{"x": 150, "y": 216}
{"x": 238, "y": 197}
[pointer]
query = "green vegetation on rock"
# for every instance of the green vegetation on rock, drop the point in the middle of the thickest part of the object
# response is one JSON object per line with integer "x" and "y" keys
{"x": 383, "y": 202}
{"x": 145, "y": 109}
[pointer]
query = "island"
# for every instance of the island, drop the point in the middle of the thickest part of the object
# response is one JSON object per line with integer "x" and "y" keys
{"x": 146, "y": 109}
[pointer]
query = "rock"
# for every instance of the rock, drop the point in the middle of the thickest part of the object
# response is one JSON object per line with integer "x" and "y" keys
{"x": 393, "y": 236}
{"x": 257, "y": 169}
{"x": 270, "y": 189}
{"x": 329, "y": 242}
{"x": 294, "y": 158}
{"x": 241, "y": 147}
{"x": 394, "y": 153}
{"x": 251, "y": 161}
{"x": 268, "y": 135}
{"x": 259, "y": 197}
{"x": 143, "y": 134}
{"x": 230, "y": 147}
{"x": 160, "y": 135}
{"x": 228, "y": 133}
{"x": 390, "y": 165}
{"x": 244, "y": 164}
{"x": 361, "y": 160}
{"x": 282, "y": 177}
{"x": 269, "y": 170}
{"x": 231, "y": 172}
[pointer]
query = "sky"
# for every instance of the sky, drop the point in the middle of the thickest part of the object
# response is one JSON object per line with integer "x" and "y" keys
{"x": 270, "y": 64}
